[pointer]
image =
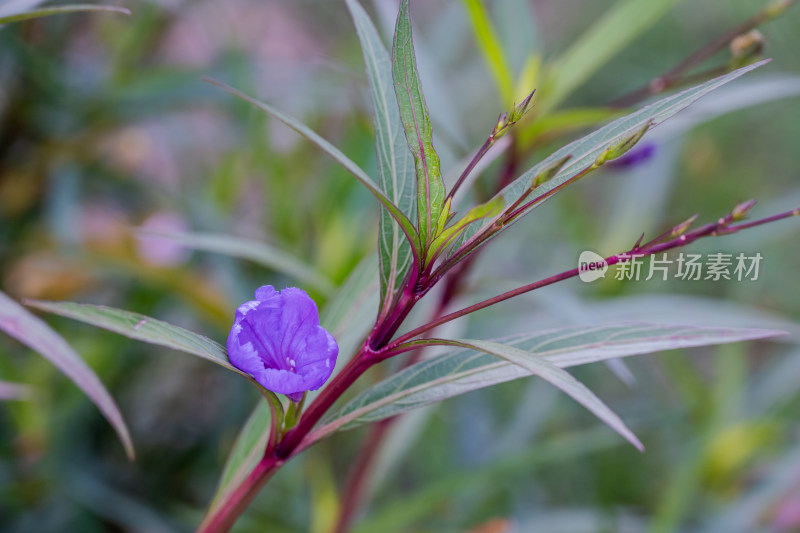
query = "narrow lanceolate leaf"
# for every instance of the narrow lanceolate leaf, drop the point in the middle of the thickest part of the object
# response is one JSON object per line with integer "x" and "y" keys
{"x": 554, "y": 375}
{"x": 246, "y": 453}
{"x": 258, "y": 252}
{"x": 584, "y": 151}
{"x": 462, "y": 371}
{"x": 335, "y": 153}
{"x": 142, "y": 328}
{"x": 417, "y": 126}
{"x": 395, "y": 163}
{"x": 622, "y": 23}
{"x": 34, "y": 333}
{"x": 350, "y": 312}
{"x": 493, "y": 53}
{"x": 60, "y": 10}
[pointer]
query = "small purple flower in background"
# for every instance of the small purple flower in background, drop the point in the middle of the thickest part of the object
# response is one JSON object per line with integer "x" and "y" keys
{"x": 277, "y": 339}
{"x": 635, "y": 157}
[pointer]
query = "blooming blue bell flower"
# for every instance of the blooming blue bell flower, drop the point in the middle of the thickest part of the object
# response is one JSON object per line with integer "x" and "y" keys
{"x": 277, "y": 339}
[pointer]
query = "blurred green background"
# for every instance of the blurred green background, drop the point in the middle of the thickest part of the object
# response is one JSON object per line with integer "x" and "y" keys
{"x": 106, "y": 127}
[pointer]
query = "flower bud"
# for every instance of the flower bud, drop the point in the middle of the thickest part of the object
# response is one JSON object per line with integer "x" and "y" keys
{"x": 741, "y": 210}
{"x": 549, "y": 173}
{"x": 681, "y": 228}
{"x": 619, "y": 148}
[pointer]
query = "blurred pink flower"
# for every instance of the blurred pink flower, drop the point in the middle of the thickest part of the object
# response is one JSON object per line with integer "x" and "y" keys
{"x": 157, "y": 250}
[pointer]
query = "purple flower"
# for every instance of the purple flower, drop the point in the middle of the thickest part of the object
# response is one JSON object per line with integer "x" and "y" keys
{"x": 277, "y": 339}
{"x": 635, "y": 157}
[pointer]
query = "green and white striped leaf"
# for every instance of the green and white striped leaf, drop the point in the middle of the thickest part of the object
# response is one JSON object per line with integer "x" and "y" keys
{"x": 417, "y": 125}
{"x": 17, "y": 322}
{"x": 395, "y": 163}
{"x": 584, "y": 151}
{"x": 463, "y": 371}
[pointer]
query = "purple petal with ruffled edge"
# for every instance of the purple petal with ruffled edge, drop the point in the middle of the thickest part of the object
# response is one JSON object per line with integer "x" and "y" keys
{"x": 277, "y": 339}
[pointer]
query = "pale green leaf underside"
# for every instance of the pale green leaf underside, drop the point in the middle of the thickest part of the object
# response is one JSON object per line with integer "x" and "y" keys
{"x": 539, "y": 366}
{"x": 417, "y": 125}
{"x": 34, "y": 333}
{"x": 141, "y": 328}
{"x": 395, "y": 163}
{"x": 584, "y": 151}
{"x": 462, "y": 371}
{"x": 256, "y": 251}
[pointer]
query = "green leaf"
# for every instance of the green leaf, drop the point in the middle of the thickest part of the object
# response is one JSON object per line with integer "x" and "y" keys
{"x": 60, "y": 10}
{"x": 492, "y": 49}
{"x": 486, "y": 210}
{"x": 395, "y": 164}
{"x": 538, "y": 366}
{"x": 349, "y": 314}
{"x": 560, "y": 122}
{"x": 626, "y": 20}
{"x": 335, "y": 153}
{"x": 417, "y": 126}
{"x": 142, "y": 328}
{"x": 34, "y": 333}
{"x": 462, "y": 371}
{"x": 258, "y": 252}
{"x": 246, "y": 453}
{"x": 585, "y": 151}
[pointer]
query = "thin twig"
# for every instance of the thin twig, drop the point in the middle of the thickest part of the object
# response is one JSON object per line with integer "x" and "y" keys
{"x": 721, "y": 227}
{"x": 675, "y": 76}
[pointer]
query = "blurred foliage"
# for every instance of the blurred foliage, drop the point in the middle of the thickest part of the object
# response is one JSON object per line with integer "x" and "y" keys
{"x": 105, "y": 127}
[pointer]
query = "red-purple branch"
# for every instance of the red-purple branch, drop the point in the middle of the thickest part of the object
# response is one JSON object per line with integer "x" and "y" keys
{"x": 223, "y": 518}
{"x": 722, "y": 227}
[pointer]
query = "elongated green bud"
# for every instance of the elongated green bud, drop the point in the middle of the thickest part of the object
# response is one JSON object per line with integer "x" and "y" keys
{"x": 618, "y": 149}
{"x": 550, "y": 172}
{"x": 521, "y": 109}
{"x": 777, "y": 8}
{"x": 506, "y": 120}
